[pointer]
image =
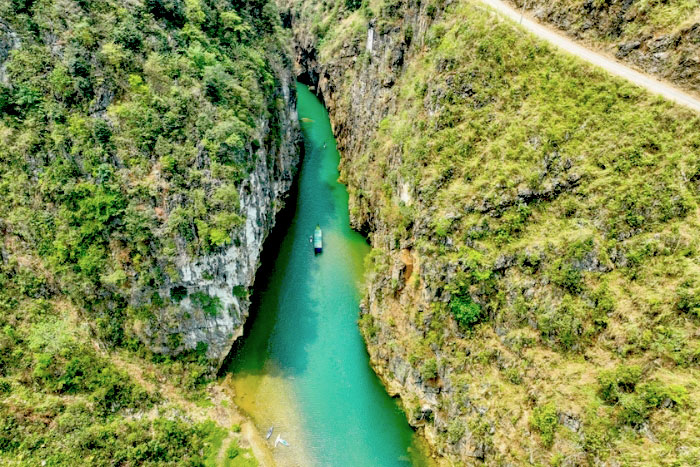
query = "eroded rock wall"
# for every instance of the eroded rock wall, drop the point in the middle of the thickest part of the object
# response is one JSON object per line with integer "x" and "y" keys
{"x": 228, "y": 276}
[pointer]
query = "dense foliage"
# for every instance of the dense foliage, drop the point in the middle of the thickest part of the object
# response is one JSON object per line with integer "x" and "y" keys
{"x": 125, "y": 131}
{"x": 63, "y": 401}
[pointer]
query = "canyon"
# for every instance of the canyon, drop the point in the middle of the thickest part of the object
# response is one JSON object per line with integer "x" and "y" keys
{"x": 531, "y": 290}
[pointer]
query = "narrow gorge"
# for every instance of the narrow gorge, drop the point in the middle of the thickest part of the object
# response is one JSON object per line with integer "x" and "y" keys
{"x": 509, "y": 273}
{"x": 302, "y": 367}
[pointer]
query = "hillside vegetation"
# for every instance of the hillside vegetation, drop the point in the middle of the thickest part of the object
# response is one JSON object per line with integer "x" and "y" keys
{"x": 659, "y": 37}
{"x": 626, "y": 20}
{"x": 533, "y": 291}
{"x": 125, "y": 130}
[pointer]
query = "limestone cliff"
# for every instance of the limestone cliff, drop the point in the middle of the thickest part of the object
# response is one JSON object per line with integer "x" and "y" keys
{"x": 227, "y": 276}
{"x": 150, "y": 146}
{"x": 505, "y": 242}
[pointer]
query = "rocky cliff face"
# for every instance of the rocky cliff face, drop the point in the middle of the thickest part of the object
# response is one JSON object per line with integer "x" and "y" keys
{"x": 356, "y": 106}
{"x": 357, "y": 102}
{"x": 487, "y": 312}
{"x": 224, "y": 279}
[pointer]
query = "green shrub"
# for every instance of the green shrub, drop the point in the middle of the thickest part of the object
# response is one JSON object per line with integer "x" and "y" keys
{"x": 688, "y": 300}
{"x": 368, "y": 326}
{"x": 633, "y": 409}
{"x": 240, "y": 291}
{"x": 597, "y": 435}
{"x": 657, "y": 395}
{"x": 614, "y": 383}
{"x": 603, "y": 306}
{"x": 353, "y": 5}
{"x": 429, "y": 369}
{"x": 544, "y": 419}
{"x": 465, "y": 311}
{"x": 210, "y": 305}
{"x": 634, "y": 400}
{"x": 232, "y": 452}
{"x": 455, "y": 431}
{"x": 565, "y": 276}
{"x": 178, "y": 293}
{"x": 563, "y": 326}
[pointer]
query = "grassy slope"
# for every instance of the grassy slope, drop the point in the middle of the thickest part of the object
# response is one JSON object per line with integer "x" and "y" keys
{"x": 65, "y": 400}
{"x": 113, "y": 115}
{"x": 659, "y": 37}
{"x": 566, "y": 202}
{"x": 642, "y": 17}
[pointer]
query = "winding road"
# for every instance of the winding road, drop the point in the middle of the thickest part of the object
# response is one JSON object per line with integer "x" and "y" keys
{"x": 653, "y": 85}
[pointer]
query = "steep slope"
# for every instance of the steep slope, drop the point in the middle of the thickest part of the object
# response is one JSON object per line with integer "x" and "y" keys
{"x": 146, "y": 148}
{"x": 532, "y": 295}
{"x": 659, "y": 37}
{"x": 598, "y": 58}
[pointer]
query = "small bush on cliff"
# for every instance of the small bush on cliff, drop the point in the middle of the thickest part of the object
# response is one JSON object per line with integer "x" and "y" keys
{"x": 544, "y": 419}
{"x": 563, "y": 327}
{"x": 208, "y": 304}
{"x": 634, "y": 401}
{"x": 467, "y": 312}
{"x": 353, "y": 5}
{"x": 689, "y": 298}
{"x": 240, "y": 291}
{"x": 368, "y": 326}
{"x": 614, "y": 383}
{"x": 455, "y": 431}
{"x": 429, "y": 369}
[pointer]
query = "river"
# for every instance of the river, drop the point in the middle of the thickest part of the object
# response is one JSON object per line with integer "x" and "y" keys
{"x": 302, "y": 366}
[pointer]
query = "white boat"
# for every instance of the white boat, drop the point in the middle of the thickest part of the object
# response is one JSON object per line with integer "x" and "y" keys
{"x": 318, "y": 239}
{"x": 269, "y": 432}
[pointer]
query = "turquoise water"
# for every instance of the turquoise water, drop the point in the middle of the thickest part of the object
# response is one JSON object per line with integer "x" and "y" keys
{"x": 303, "y": 366}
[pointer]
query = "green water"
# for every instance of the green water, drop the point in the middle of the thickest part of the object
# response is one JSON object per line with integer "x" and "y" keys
{"x": 303, "y": 366}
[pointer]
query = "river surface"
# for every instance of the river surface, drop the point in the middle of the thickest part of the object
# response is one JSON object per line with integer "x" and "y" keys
{"x": 302, "y": 366}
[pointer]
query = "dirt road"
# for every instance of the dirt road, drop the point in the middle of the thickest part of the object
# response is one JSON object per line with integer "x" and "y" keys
{"x": 599, "y": 59}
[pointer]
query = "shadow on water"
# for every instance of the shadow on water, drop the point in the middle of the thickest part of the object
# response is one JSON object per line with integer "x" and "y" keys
{"x": 312, "y": 202}
{"x": 269, "y": 257}
{"x": 253, "y": 347}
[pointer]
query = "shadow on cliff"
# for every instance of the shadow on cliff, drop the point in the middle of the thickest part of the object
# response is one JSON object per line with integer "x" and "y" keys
{"x": 284, "y": 312}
